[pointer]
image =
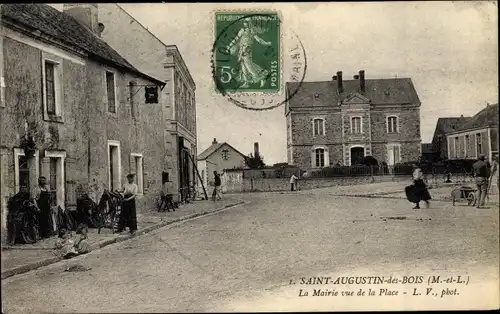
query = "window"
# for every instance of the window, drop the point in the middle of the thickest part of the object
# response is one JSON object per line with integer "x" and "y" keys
{"x": 467, "y": 146}
{"x": 456, "y": 145}
{"x": 318, "y": 127}
{"x": 392, "y": 124}
{"x": 110, "y": 91}
{"x": 479, "y": 144}
{"x": 50, "y": 87}
{"x": 320, "y": 157}
{"x": 139, "y": 171}
{"x": 356, "y": 127}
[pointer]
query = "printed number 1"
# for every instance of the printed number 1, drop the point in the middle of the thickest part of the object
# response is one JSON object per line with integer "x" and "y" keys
{"x": 225, "y": 72}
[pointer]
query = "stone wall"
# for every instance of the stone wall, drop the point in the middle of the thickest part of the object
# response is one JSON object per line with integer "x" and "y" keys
{"x": 273, "y": 185}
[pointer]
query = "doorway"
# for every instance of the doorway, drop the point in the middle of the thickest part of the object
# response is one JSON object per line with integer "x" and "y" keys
{"x": 114, "y": 164}
{"x": 357, "y": 155}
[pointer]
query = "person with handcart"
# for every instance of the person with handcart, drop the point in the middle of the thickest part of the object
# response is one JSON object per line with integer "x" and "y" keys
{"x": 482, "y": 173}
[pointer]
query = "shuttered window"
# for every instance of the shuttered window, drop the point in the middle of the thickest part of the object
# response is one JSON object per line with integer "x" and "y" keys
{"x": 50, "y": 90}
{"x": 110, "y": 89}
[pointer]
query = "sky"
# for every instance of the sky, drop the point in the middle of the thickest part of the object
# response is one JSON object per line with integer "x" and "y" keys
{"x": 448, "y": 49}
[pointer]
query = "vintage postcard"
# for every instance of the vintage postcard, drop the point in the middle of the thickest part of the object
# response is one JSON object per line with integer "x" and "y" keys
{"x": 249, "y": 157}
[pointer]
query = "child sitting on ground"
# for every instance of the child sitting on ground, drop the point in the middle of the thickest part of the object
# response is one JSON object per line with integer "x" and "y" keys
{"x": 82, "y": 244}
{"x": 65, "y": 245}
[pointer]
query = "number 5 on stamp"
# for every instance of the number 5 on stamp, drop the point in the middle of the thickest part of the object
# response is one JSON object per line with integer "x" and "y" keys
{"x": 247, "y": 55}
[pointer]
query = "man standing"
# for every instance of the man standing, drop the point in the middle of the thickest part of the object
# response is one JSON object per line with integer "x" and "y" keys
{"x": 481, "y": 175}
{"x": 293, "y": 182}
{"x": 217, "y": 184}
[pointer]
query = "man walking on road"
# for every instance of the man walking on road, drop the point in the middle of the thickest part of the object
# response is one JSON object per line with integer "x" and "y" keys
{"x": 217, "y": 186}
{"x": 481, "y": 175}
{"x": 293, "y": 182}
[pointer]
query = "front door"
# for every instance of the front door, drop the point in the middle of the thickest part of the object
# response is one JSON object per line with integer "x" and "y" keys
{"x": 357, "y": 155}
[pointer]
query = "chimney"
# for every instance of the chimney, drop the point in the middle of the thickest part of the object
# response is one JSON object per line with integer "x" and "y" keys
{"x": 256, "y": 149}
{"x": 214, "y": 141}
{"x": 340, "y": 86}
{"x": 362, "y": 81}
{"x": 85, "y": 14}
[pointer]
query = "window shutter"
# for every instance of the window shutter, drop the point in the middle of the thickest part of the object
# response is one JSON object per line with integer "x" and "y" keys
{"x": 327, "y": 157}
{"x": 313, "y": 158}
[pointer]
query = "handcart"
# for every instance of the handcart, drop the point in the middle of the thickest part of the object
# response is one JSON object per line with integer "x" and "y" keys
{"x": 464, "y": 193}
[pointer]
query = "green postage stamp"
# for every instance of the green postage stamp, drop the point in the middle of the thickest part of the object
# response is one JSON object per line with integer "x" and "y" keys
{"x": 247, "y": 56}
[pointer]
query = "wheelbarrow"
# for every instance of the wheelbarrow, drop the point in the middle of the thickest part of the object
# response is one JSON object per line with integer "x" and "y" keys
{"x": 464, "y": 193}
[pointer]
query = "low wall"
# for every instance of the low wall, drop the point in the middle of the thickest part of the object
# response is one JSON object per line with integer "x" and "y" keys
{"x": 275, "y": 185}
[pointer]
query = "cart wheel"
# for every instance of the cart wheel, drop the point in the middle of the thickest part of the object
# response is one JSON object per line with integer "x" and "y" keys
{"x": 471, "y": 198}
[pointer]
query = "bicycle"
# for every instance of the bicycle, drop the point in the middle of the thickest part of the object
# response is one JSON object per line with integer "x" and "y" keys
{"x": 108, "y": 211}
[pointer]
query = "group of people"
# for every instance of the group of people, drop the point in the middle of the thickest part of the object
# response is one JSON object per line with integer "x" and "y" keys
{"x": 33, "y": 216}
{"x": 30, "y": 215}
{"x": 481, "y": 171}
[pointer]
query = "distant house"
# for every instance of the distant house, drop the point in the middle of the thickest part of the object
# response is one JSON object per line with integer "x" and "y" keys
{"x": 342, "y": 121}
{"x": 479, "y": 136}
{"x": 217, "y": 157}
{"x": 444, "y": 126}
{"x": 428, "y": 152}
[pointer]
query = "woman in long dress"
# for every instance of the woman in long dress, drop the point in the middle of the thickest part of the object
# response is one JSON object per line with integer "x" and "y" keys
{"x": 42, "y": 198}
{"x": 241, "y": 46}
{"x": 420, "y": 188}
{"x": 128, "y": 213}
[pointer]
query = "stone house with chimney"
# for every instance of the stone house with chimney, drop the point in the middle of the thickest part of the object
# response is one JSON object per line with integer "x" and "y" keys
{"x": 92, "y": 116}
{"x": 342, "y": 121}
{"x": 150, "y": 55}
{"x": 478, "y": 136}
{"x": 218, "y": 157}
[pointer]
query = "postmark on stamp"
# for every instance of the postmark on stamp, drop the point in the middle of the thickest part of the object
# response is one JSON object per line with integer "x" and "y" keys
{"x": 251, "y": 56}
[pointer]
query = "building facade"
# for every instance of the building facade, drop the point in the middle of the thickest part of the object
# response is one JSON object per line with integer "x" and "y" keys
{"x": 150, "y": 55}
{"x": 82, "y": 105}
{"x": 443, "y": 127}
{"x": 342, "y": 121}
{"x": 479, "y": 136}
{"x": 217, "y": 157}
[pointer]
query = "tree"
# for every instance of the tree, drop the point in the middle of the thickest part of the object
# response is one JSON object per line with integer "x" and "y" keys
{"x": 255, "y": 162}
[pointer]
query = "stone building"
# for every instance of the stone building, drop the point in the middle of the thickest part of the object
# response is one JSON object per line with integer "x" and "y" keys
{"x": 341, "y": 121}
{"x": 84, "y": 106}
{"x": 444, "y": 126}
{"x": 218, "y": 157}
{"x": 150, "y": 55}
{"x": 478, "y": 136}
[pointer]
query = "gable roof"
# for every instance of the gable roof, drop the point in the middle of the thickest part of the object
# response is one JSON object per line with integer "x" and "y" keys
{"x": 63, "y": 28}
{"x": 213, "y": 148}
{"x": 378, "y": 91}
{"x": 450, "y": 124}
{"x": 484, "y": 118}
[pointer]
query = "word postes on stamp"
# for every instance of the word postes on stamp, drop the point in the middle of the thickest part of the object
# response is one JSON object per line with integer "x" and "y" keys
{"x": 247, "y": 52}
